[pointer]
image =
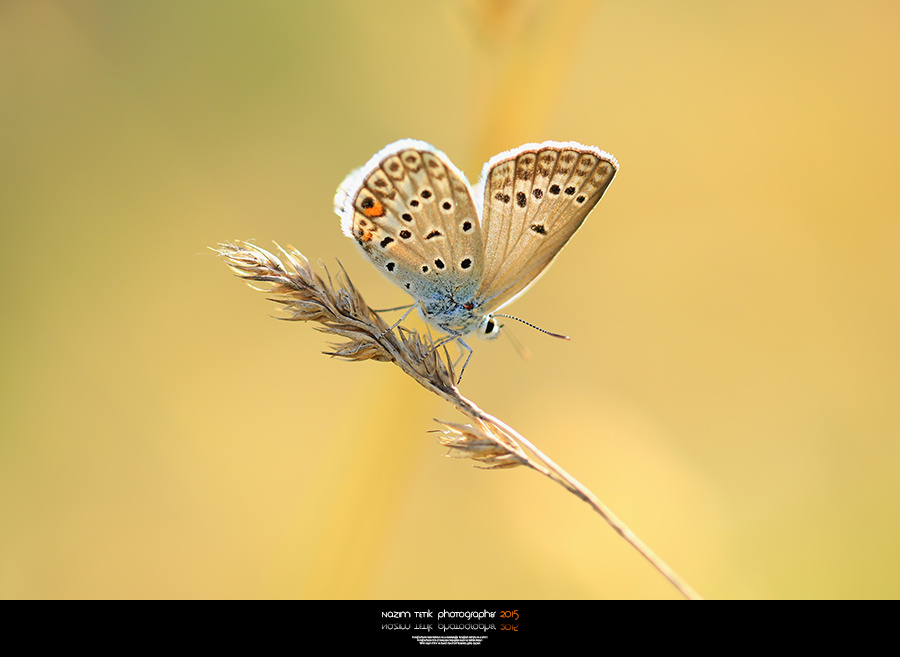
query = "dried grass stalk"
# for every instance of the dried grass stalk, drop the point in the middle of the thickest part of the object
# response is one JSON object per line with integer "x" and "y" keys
{"x": 340, "y": 310}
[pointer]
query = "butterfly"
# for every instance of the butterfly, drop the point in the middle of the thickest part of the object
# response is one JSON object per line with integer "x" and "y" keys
{"x": 463, "y": 253}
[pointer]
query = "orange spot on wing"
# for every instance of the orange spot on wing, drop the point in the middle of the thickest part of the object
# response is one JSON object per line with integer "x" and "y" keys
{"x": 377, "y": 210}
{"x": 363, "y": 235}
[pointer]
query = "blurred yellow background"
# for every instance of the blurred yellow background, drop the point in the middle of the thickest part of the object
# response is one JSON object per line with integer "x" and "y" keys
{"x": 732, "y": 389}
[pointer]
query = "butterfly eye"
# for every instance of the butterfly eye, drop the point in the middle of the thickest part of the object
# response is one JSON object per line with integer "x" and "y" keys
{"x": 490, "y": 329}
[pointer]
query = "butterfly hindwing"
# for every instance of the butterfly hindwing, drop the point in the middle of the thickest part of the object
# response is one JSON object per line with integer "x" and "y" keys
{"x": 412, "y": 213}
{"x": 534, "y": 199}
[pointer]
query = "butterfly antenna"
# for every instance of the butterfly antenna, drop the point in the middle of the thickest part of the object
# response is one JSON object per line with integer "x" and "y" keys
{"x": 537, "y": 328}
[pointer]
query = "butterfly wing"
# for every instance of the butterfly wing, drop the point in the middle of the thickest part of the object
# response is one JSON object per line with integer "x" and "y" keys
{"x": 412, "y": 214}
{"x": 534, "y": 199}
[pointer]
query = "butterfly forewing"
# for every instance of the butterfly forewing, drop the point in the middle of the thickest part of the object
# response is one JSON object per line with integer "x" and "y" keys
{"x": 411, "y": 211}
{"x": 535, "y": 198}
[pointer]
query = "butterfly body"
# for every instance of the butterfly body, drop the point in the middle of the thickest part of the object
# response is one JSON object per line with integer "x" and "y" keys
{"x": 462, "y": 253}
{"x": 454, "y": 316}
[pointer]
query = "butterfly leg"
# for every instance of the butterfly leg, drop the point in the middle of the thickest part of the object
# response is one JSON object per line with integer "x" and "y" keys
{"x": 469, "y": 349}
{"x": 398, "y": 322}
{"x": 389, "y": 310}
{"x": 440, "y": 343}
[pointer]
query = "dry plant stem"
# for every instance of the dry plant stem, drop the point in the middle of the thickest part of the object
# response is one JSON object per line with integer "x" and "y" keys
{"x": 543, "y": 464}
{"x": 341, "y": 310}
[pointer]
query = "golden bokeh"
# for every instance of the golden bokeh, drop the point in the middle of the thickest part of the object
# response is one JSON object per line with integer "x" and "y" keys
{"x": 732, "y": 388}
